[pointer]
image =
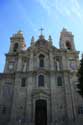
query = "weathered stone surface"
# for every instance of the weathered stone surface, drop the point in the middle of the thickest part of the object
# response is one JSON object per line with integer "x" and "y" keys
{"x": 19, "y": 100}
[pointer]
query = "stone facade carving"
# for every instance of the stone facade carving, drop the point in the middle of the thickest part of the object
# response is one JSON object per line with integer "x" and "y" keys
{"x": 57, "y": 103}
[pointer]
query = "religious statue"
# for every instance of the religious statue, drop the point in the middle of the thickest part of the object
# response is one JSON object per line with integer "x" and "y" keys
{"x": 58, "y": 65}
{"x": 24, "y": 67}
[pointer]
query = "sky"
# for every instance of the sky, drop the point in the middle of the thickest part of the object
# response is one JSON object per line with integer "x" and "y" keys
{"x": 30, "y": 15}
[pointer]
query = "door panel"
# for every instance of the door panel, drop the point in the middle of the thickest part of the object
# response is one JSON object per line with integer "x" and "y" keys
{"x": 41, "y": 112}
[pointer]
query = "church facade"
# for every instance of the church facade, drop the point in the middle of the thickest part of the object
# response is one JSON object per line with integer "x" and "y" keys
{"x": 38, "y": 85}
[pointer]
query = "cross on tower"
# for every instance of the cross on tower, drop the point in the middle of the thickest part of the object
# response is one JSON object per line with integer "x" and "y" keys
{"x": 41, "y": 29}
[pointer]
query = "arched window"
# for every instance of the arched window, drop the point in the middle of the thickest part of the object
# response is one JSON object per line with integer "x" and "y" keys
{"x": 40, "y": 80}
{"x": 68, "y": 45}
{"x": 59, "y": 81}
{"x": 41, "y": 60}
{"x": 23, "y": 82}
{"x": 15, "y": 47}
{"x": 80, "y": 109}
{"x": 4, "y": 110}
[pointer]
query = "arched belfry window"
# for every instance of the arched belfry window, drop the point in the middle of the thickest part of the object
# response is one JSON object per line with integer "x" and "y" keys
{"x": 59, "y": 81}
{"x": 68, "y": 45}
{"x": 41, "y": 60}
{"x": 41, "y": 80}
{"x": 15, "y": 47}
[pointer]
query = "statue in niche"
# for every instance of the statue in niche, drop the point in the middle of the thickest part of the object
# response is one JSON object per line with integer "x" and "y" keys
{"x": 55, "y": 65}
{"x": 24, "y": 67}
{"x": 58, "y": 65}
{"x": 72, "y": 65}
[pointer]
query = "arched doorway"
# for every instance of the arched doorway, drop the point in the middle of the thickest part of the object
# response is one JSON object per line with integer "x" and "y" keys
{"x": 41, "y": 112}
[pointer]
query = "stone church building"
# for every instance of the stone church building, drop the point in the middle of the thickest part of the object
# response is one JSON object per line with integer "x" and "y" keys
{"x": 38, "y": 85}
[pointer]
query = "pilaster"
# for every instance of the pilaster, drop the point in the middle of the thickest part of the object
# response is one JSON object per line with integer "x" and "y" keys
{"x": 19, "y": 65}
{"x": 31, "y": 62}
{"x": 68, "y": 96}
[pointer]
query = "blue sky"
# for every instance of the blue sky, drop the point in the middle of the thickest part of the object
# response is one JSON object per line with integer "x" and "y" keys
{"x": 30, "y": 15}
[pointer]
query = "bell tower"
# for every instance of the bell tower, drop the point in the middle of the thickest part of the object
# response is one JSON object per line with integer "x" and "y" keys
{"x": 67, "y": 40}
{"x": 17, "y": 42}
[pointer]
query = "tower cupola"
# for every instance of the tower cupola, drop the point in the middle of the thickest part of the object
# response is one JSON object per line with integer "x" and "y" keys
{"x": 17, "y": 42}
{"x": 67, "y": 40}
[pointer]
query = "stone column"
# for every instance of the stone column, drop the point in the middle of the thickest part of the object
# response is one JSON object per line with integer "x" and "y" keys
{"x": 52, "y": 86}
{"x": 73, "y": 82}
{"x": 14, "y": 114}
{"x": 46, "y": 61}
{"x": 31, "y": 62}
{"x": 6, "y": 67}
{"x": 53, "y": 97}
{"x": 24, "y": 67}
{"x": 64, "y": 63}
{"x": 29, "y": 109}
{"x": 51, "y": 61}
{"x": 58, "y": 65}
{"x": 68, "y": 96}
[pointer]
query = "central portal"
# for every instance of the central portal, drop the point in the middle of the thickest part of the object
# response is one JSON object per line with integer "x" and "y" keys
{"x": 41, "y": 112}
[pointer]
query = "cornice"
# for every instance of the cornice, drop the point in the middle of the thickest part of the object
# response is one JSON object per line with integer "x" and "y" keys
{"x": 7, "y": 75}
{"x": 40, "y": 91}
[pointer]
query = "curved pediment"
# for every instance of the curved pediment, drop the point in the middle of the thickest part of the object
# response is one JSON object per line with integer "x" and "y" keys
{"x": 40, "y": 92}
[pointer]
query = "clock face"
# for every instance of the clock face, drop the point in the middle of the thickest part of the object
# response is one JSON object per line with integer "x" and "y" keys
{"x": 11, "y": 66}
{"x": 73, "y": 65}
{"x": 7, "y": 91}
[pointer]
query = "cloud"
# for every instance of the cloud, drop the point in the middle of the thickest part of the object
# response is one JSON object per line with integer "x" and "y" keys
{"x": 69, "y": 9}
{"x": 45, "y": 5}
{"x": 24, "y": 15}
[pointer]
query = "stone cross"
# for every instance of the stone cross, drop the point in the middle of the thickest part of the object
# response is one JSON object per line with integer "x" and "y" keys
{"x": 41, "y": 29}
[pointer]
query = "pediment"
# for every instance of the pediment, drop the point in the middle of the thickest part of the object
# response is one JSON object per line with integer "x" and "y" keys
{"x": 40, "y": 92}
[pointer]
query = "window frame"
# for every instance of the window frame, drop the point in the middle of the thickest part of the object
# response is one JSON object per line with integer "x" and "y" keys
{"x": 23, "y": 82}
{"x": 41, "y": 78}
{"x": 59, "y": 81}
{"x": 4, "y": 110}
{"x": 41, "y": 60}
{"x": 80, "y": 110}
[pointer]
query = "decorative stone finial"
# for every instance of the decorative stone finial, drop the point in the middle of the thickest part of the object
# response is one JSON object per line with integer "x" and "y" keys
{"x": 41, "y": 29}
{"x": 64, "y": 29}
{"x": 50, "y": 39}
{"x": 32, "y": 40}
{"x": 82, "y": 55}
{"x": 23, "y": 45}
{"x": 20, "y": 32}
{"x": 41, "y": 37}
